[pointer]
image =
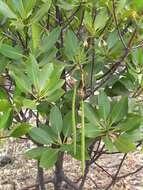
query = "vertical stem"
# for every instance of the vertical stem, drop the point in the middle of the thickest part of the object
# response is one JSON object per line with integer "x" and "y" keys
{"x": 59, "y": 172}
{"x": 59, "y": 163}
{"x": 82, "y": 137}
{"x": 40, "y": 172}
{"x": 92, "y": 65}
{"x": 73, "y": 118}
{"x": 40, "y": 177}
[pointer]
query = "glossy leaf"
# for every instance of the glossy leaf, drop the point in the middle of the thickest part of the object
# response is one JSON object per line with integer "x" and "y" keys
{"x": 40, "y": 136}
{"x": 104, "y": 105}
{"x": 5, "y": 119}
{"x": 51, "y": 39}
{"x": 36, "y": 153}
{"x": 10, "y": 52}
{"x": 49, "y": 158}
{"x": 20, "y": 130}
{"x": 92, "y": 131}
{"x": 124, "y": 144}
{"x": 119, "y": 110}
{"x": 56, "y": 120}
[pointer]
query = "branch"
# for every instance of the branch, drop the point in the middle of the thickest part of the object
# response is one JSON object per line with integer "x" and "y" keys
{"x": 109, "y": 73}
{"x": 118, "y": 170}
{"x": 117, "y": 26}
{"x": 70, "y": 19}
{"x": 131, "y": 173}
{"x": 37, "y": 184}
{"x": 70, "y": 183}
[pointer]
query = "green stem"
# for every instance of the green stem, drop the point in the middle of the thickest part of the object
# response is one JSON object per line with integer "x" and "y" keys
{"x": 73, "y": 118}
{"x": 82, "y": 138}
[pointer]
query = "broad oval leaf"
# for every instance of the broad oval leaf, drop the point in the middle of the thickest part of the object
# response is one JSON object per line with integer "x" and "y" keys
{"x": 104, "y": 105}
{"x": 20, "y": 130}
{"x": 6, "y": 119}
{"x": 36, "y": 153}
{"x": 40, "y": 136}
{"x": 92, "y": 131}
{"x": 49, "y": 158}
{"x": 56, "y": 120}
{"x": 119, "y": 110}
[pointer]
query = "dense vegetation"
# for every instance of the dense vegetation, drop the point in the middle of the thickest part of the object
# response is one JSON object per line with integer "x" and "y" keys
{"x": 71, "y": 76}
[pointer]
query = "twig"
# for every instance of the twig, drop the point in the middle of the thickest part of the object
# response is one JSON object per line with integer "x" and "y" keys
{"x": 70, "y": 183}
{"x": 129, "y": 174}
{"x": 70, "y": 19}
{"x": 103, "y": 170}
{"x": 118, "y": 170}
{"x": 117, "y": 26}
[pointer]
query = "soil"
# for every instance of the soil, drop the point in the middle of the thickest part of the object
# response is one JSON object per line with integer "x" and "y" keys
{"x": 20, "y": 172}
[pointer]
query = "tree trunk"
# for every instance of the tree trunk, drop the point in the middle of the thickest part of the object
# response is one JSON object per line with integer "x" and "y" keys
{"x": 59, "y": 172}
{"x": 40, "y": 178}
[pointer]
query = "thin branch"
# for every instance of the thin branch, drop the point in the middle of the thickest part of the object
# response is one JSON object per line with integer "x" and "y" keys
{"x": 116, "y": 175}
{"x": 104, "y": 170}
{"x": 70, "y": 19}
{"x": 131, "y": 173}
{"x": 117, "y": 26}
{"x": 70, "y": 183}
{"x": 115, "y": 66}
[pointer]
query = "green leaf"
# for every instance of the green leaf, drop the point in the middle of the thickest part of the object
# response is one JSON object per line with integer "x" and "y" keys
{"x": 36, "y": 153}
{"x": 101, "y": 19}
{"x": 54, "y": 83}
{"x": 56, "y": 120}
{"x": 92, "y": 131}
{"x": 19, "y": 7}
{"x": 67, "y": 124}
{"x": 131, "y": 123}
{"x": 109, "y": 144}
{"x": 49, "y": 158}
{"x": 71, "y": 44}
{"x": 57, "y": 84}
{"x": 69, "y": 149}
{"x": 36, "y": 30}
{"x": 22, "y": 81}
{"x": 121, "y": 5}
{"x": 6, "y": 119}
{"x": 50, "y": 40}
{"x": 104, "y": 105}
{"x": 124, "y": 144}
{"x": 33, "y": 72}
{"x": 42, "y": 10}
{"x": 6, "y": 11}
{"x": 39, "y": 135}
{"x": 137, "y": 5}
{"x": 119, "y": 110}
{"x": 90, "y": 114}
{"x": 43, "y": 107}
{"x": 4, "y": 105}
{"x": 29, "y": 5}
{"x": 10, "y": 52}
{"x": 119, "y": 89}
{"x": 56, "y": 95}
{"x": 88, "y": 21}
{"x": 3, "y": 63}
{"x": 20, "y": 130}
{"x": 50, "y": 131}
{"x": 28, "y": 103}
{"x": 45, "y": 74}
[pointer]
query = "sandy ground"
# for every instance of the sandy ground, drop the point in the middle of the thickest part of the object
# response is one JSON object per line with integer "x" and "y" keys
{"x": 22, "y": 173}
